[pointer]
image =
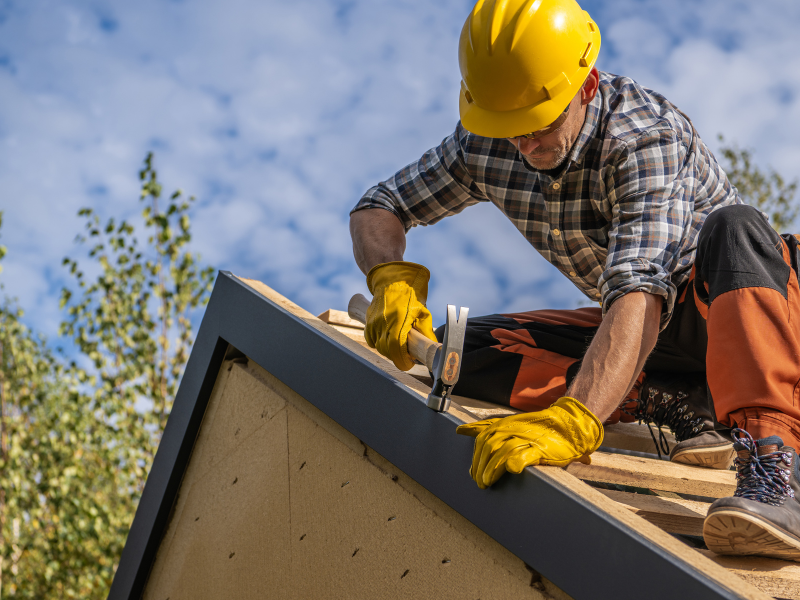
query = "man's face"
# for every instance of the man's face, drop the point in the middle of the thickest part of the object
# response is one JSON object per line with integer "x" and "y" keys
{"x": 551, "y": 150}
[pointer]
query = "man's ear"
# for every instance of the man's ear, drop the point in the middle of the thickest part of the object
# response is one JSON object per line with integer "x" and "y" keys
{"x": 590, "y": 86}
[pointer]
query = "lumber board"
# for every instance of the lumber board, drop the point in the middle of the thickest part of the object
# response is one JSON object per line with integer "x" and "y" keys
{"x": 673, "y": 515}
{"x": 357, "y": 335}
{"x": 633, "y": 436}
{"x": 654, "y": 534}
{"x": 420, "y": 372}
{"x": 339, "y": 317}
{"x": 484, "y": 410}
{"x": 778, "y": 578}
{"x": 656, "y": 474}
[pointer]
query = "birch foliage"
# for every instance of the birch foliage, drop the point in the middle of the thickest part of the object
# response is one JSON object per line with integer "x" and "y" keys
{"x": 79, "y": 429}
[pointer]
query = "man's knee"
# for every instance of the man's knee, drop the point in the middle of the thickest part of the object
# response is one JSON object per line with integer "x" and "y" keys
{"x": 738, "y": 248}
{"x": 732, "y": 224}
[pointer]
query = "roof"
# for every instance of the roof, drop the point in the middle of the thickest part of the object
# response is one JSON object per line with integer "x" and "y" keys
{"x": 548, "y": 517}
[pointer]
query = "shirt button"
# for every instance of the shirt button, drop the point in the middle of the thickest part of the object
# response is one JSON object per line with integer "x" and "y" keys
{"x": 556, "y": 232}
{"x": 572, "y": 273}
{"x": 556, "y": 186}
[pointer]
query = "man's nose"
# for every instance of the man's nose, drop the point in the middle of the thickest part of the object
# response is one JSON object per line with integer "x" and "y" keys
{"x": 527, "y": 145}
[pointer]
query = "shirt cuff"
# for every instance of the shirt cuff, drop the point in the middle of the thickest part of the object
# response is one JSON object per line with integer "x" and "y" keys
{"x": 375, "y": 198}
{"x": 639, "y": 275}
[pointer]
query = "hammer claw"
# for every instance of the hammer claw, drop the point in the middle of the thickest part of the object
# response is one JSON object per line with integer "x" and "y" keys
{"x": 447, "y": 364}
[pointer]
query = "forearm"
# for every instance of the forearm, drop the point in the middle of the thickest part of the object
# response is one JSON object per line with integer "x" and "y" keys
{"x": 378, "y": 237}
{"x": 617, "y": 353}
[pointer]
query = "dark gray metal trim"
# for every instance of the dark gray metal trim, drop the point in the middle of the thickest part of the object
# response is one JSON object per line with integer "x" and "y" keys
{"x": 580, "y": 548}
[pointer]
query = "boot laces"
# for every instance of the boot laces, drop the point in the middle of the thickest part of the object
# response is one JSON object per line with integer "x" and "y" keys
{"x": 761, "y": 478}
{"x": 670, "y": 411}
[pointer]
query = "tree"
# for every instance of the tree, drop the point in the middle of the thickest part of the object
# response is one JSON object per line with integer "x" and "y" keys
{"x": 767, "y": 191}
{"x": 79, "y": 436}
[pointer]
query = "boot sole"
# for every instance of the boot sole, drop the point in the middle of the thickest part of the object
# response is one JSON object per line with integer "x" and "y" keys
{"x": 729, "y": 531}
{"x": 715, "y": 457}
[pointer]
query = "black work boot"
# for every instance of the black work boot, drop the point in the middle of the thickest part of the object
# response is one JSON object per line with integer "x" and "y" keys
{"x": 680, "y": 401}
{"x": 763, "y": 515}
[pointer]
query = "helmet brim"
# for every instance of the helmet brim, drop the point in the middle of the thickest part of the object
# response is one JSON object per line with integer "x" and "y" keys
{"x": 512, "y": 123}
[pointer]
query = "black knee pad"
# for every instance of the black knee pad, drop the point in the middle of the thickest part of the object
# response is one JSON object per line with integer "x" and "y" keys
{"x": 736, "y": 249}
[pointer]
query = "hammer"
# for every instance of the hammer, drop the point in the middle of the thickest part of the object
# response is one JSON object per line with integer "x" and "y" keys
{"x": 443, "y": 360}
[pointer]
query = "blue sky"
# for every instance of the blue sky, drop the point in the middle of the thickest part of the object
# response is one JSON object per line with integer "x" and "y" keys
{"x": 278, "y": 115}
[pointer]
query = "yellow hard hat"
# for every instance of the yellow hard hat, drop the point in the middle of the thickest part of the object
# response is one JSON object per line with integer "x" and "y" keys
{"x": 522, "y": 62}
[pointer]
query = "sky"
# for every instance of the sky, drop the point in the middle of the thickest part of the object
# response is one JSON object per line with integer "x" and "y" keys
{"x": 278, "y": 115}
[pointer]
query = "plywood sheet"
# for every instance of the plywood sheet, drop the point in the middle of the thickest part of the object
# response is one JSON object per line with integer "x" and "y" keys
{"x": 281, "y": 502}
{"x": 367, "y": 537}
{"x": 228, "y": 535}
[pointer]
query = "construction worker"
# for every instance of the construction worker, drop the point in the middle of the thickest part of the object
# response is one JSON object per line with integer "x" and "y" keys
{"x": 611, "y": 183}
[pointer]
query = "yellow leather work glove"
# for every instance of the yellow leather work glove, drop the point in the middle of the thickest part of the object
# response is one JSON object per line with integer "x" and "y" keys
{"x": 558, "y": 435}
{"x": 399, "y": 292}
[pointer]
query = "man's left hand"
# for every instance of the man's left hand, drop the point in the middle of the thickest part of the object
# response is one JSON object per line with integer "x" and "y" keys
{"x": 559, "y": 435}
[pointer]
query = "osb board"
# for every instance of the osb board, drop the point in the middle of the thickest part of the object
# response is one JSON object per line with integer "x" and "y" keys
{"x": 279, "y": 501}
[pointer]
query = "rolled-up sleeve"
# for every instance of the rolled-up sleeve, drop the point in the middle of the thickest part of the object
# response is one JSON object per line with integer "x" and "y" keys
{"x": 652, "y": 214}
{"x": 436, "y": 186}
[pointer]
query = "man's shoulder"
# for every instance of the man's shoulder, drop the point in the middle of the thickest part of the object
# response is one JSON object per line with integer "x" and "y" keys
{"x": 631, "y": 113}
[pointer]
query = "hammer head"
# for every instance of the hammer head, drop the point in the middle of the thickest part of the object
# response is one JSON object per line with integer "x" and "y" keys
{"x": 447, "y": 362}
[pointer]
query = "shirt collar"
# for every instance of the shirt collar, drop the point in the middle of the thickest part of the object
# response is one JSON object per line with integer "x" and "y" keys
{"x": 588, "y": 130}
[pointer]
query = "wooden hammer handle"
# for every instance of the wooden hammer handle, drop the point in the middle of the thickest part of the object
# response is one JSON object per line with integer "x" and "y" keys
{"x": 420, "y": 347}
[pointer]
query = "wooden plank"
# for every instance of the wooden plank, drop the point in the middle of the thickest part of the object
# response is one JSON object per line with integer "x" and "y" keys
{"x": 339, "y": 317}
{"x": 654, "y": 534}
{"x": 484, "y": 410}
{"x": 419, "y": 372}
{"x": 357, "y": 335}
{"x": 656, "y": 474}
{"x": 673, "y": 515}
{"x": 778, "y": 578}
{"x": 633, "y": 436}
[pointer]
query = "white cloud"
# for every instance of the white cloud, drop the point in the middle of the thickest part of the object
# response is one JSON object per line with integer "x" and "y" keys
{"x": 729, "y": 64}
{"x": 278, "y": 115}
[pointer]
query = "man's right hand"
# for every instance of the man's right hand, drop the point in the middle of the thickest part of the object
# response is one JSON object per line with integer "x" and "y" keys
{"x": 399, "y": 290}
{"x": 559, "y": 435}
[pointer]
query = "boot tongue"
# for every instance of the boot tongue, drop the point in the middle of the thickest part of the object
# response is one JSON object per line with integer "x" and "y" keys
{"x": 765, "y": 445}
{"x": 768, "y": 445}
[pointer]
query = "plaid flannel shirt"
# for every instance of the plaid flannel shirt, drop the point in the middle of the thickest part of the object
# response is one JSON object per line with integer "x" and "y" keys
{"x": 622, "y": 214}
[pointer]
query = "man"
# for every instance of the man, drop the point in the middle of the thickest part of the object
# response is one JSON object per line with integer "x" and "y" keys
{"x": 610, "y": 183}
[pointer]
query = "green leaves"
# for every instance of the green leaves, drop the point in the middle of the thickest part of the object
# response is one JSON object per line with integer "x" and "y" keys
{"x": 767, "y": 191}
{"x": 2, "y": 248}
{"x": 77, "y": 437}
